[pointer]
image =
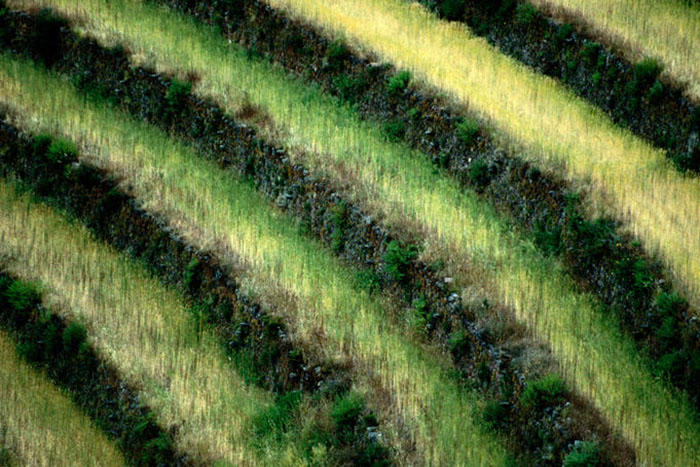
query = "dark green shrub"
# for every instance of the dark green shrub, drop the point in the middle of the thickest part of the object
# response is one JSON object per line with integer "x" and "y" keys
{"x": 526, "y": 14}
{"x": 191, "y": 279}
{"x": 505, "y": 9}
{"x": 61, "y": 151}
{"x": 157, "y": 451}
{"x": 339, "y": 219}
{"x": 394, "y": 130}
{"x": 458, "y": 343}
{"x": 175, "y": 99}
{"x": 685, "y": 161}
{"x": 548, "y": 239}
{"x": 348, "y": 88}
{"x": 647, "y": 71}
{"x": 542, "y": 392}
{"x": 368, "y": 280}
{"x": 668, "y": 332}
{"x": 375, "y": 455}
{"x": 336, "y": 54}
{"x": 670, "y": 304}
{"x": 421, "y": 315}
{"x": 413, "y": 113}
{"x": 397, "y": 259}
{"x": 22, "y": 296}
{"x": 590, "y": 52}
{"x": 494, "y": 415}
{"x": 467, "y": 129}
{"x": 584, "y": 454}
{"x": 74, "y": 337}
{"x": 453, "y": 10}
{"x": 41, "y": 143}
{"x": 655, "y": 92}
{"x": 596, "y": 78}
{"x": 345, "y": 414}
{"x": 670, "y": 365}
{"x": 643, "y": 278}
{"x": 45, "y": 39}
{"x": 398, "y": 83}
{"x": 30, "y": 351}
{"x": 563, "y": 33}
{"x": 479, "y": 174}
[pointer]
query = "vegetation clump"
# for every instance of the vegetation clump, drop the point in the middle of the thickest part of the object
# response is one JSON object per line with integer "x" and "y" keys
{"x": 543, "y": 392}
{"x": 453, "y": 10}
{"x": 398, "y": 259}
{"x": 584, "y": 454}
{"x": 398, "y": 83}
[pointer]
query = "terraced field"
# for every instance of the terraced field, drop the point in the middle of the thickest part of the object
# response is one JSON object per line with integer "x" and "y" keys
{"x": 299, "y": 232}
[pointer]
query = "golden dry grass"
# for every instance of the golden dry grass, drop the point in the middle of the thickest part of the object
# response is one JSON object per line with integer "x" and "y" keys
{"x": 136, "y": 324}
{"x": 40, "y": 424}
{"x": 213, "y": 208}
{"x": 666, "y": 29}
{"x": 596, "y": 360}
{"x": 558, "y": 129}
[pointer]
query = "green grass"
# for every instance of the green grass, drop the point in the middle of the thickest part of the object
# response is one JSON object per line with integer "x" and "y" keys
{"x": 212, "y": 207}
{"x": 404, "y": 189}
{"x": 40, "y": 425}
{"x": 138, "y": 326}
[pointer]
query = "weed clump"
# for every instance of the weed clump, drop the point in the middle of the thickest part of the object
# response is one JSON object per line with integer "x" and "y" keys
{"x": 336, "y": 54}
{"x": 467, "y": 129}
{"x": 398, "y": 83}
{"x": 479, "y": 174}
{"x": 526, "y": 14}
{"x": 339, "y": 219}
{"x": 398, "y": 259}
{"x": 584, "y": 454}
{"x": 394, "y": 130}
{"x": 645, "y": 74}
{"x": 542, "y": 392}
{"x": 175, "y": 99}
{"x": 75, "y": 338}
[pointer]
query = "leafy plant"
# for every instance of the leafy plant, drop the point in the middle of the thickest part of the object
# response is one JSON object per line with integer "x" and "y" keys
{"x": 655, "y": 92}
{"x": 336, "y": 54}
{"x": 590, "y": 52}
{"x": 22, "y": 296}
{"x": 526, "y": 14}
{"x": 398, "y": 258}
{"x": 494, "y": 415}
{"x": 61, "y": 151}
{"x": 398, "y": 83}
{"x": 74, "y": 337}
{"x": 479, "y": 174}
{"x": 368, "y": 280}
{"x": 394, "y": 130}
{"x": 542, "y": 392}
{"x": 584, "y": 454}
{"x": 176, "y": 98}
{"x": 467, "y": 129}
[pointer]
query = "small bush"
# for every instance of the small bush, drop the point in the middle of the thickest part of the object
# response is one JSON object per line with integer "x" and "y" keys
{"x": 394, "y": 130}
{"x": 336, "y": 54}
{"x": 413, "y": 113}
{"x": 397, "y": 259}
{"x": 596, "y": 78}
{"x": 453, "y": 10}
{"x": 339, "y": 219}
{"x": 74, "y": 337}
{"x": 458, "y": 343}
{"x": 548, "y": 239}
{"x": 348, "y": 88}
{"x": 542, "y": 392}
{"x": 671, "y": 365}
{"x": 584, "y": 454}
{"x": 191, "y": 278}
{"x": 398, "y": 83}
{"x": 61, "y": 151}
{"x": 667, "y": 333}
{"x": 22, "y": 296}
{"x": 421, "y": 312}
{"x": 647, "y": 70}
{"x": 642, "y": 275}
{"x": 590, "y": 52}
{"x": 368, "y": 280}
{"x": 467, "y": 129}
{"x": 479, "y": 174}
{"x": 563, "y": 33}
{"x": 345, "y": 413}
{"x": 685, "y": 161}
{"x": 494, "y": 415}
{"x": 655, "y": 92}
{"x": 175, "y": 99}
{"x": 670, "y": 304}
{"x": 526, "y": 14}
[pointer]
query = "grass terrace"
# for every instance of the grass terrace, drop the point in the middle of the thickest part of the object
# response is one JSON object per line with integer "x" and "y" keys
{"x": 666, "y": 29}
{"x": 595, "y": 359}
{"x": 40, "y": 424}
{"x": 215, "y": 209}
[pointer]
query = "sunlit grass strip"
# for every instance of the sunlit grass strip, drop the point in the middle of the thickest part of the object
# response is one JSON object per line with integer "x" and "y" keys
{"x": 667, "y": 29}
{"x": 41, "y": 424}
{"x": 662, "y": 206}
{"x": 605, "y": 368}
{"x": 226, "y": 211}
{"x": 136, "y": 324}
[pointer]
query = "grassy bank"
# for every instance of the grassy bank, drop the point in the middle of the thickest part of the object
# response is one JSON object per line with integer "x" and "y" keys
{"x": 666, "y": 29}
{"x": 213, "y": 208}
{"x": 143, "y": 329}
{"x": 40, "y": 424}
{"x": 604, "y": 367}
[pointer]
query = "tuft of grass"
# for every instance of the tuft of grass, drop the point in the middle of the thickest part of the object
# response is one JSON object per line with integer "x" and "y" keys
{"x": 398, "y": 258}
{"x": 398, "y": 83}
{"x": 542, "y": 392}
{"x": 584, "y": 454}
